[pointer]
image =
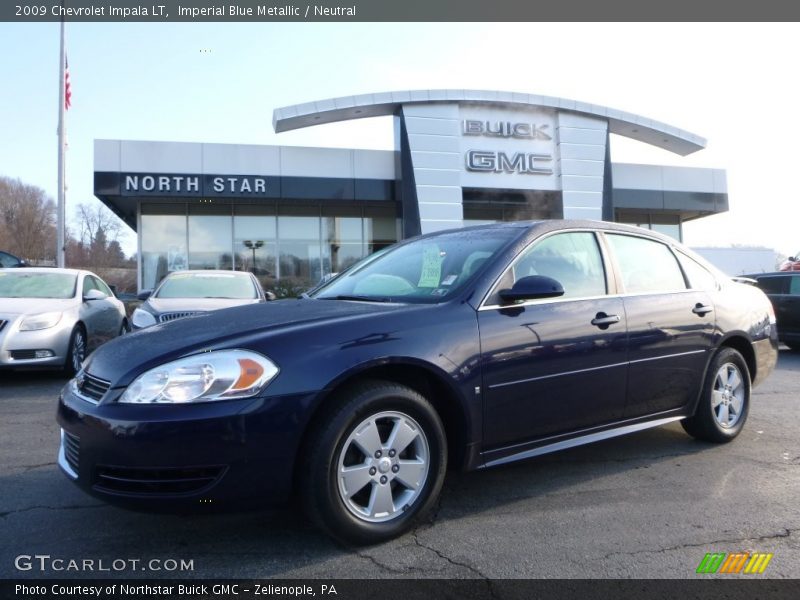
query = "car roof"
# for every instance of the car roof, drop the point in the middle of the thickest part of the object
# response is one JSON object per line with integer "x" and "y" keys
{"x": 773, "y": 274}
{"x": 564, "y": 224}
{"x": 46, "y": 270}
{"x": 208, "y": 272}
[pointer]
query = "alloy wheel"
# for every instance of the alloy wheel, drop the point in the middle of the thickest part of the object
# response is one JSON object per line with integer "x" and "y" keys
{"x": 383, "y": 466}
{"x": 78, "y": 350}
{"x": 727, "y": 398}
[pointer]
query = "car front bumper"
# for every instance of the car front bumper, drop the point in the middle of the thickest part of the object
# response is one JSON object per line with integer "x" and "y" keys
{"x": 166, "y": 457}
{"x": 18, "y": 348}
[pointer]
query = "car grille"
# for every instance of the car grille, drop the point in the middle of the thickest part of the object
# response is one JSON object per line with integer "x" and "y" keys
{"x": 171, "y": 316}
{"x": 72, "y": 447}
{"x": 156, "y": 482}
{"x": 92, "y": 388}
{"x": 23, "y": 354}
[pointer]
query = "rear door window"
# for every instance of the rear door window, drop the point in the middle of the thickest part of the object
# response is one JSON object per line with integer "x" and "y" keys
{"x": 698, "y": 276}
{"x": 774, "y": 285}
{"x": 646, "y": 266}
{"x": 794, "y": 287}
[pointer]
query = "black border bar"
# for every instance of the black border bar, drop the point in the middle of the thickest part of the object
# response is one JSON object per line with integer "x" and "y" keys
{"x": 713, "y": 588}
{"x": 396, "y": 10}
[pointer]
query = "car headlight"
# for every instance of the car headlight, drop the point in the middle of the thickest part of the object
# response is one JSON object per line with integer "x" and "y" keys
{"x": 219, "y": 375}
{"x": 40, "y": 321}
{"x": 142, "y": 318}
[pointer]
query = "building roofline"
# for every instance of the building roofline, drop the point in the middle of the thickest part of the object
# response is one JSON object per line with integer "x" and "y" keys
{"x": 347, "y": 108}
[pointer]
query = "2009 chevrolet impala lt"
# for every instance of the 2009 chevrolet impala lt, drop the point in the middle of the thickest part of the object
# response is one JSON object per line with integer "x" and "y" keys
{"x": 466, "y": 348}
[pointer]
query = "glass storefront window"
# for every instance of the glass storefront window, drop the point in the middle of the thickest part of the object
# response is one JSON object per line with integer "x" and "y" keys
{"x": 254, "y": 242}
{"x": 300, "y": 264}
{"x": 163, "y": 242}
{"x": 289, "y": 248}
{"x": 210, "y": 242}
{"x": 343, "y": 243}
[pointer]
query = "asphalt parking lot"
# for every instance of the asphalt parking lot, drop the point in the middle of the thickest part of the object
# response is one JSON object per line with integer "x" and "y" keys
{"x": 649, "y": 505}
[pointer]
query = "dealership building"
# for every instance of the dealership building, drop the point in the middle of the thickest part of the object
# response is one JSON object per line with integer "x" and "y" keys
{"x": 461, "y": 157}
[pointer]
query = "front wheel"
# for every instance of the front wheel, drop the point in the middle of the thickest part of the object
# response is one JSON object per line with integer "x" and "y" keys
{"x": 724, "y": 401}
{"x": 375, "y": 464}
{"x": 77, "y": 351}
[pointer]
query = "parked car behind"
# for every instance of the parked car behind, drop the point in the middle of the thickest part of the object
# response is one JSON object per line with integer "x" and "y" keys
{"x": 783, "y": 290}
{"x": 791, "y": 264}
{"x": 55, "y": 317}
{"x": 188, "y": 293}
{"x": 465, "y": 348}
{"x": 9, "y": 261}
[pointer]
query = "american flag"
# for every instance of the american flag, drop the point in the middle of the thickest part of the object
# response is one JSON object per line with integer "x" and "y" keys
{"x": 67, "y": 90}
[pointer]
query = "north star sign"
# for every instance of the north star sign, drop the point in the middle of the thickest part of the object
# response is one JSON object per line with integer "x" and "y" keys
{"x": 161, "y": 184}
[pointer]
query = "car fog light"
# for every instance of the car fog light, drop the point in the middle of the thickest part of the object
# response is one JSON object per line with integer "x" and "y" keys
{"x": 43, "y": 353}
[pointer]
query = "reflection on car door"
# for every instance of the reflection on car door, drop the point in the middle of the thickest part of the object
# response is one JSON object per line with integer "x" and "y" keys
{"x": 670, "y": 327}
{"x": 111, "y": 321}
{"x": 92, "y": 315}
{"x": 552, "y": 366}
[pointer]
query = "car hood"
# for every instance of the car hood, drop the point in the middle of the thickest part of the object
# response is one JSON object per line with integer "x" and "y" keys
{"x": 162, "y": 305}
{"x": 32, "y": 306}
{"x": 121, "y": 359}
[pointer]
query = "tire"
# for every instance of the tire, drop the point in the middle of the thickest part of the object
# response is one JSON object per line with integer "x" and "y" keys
{"x": 77, "y": 351}
{"x": 725, "y": 398}
{"x": 391, "y": 488}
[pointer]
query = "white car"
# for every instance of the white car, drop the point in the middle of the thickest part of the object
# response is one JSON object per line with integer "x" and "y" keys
{"x": 55, "y": 317}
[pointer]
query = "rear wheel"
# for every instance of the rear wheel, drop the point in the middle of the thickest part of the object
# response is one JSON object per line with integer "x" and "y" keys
{"x": 724, "y": 401}
{"x": 77, "y": 351}
{"x": 375, "y": 464}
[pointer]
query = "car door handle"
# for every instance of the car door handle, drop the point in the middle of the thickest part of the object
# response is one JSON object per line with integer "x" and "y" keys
{"x": 702, "y": 309}
{"x": 602, "y": 320}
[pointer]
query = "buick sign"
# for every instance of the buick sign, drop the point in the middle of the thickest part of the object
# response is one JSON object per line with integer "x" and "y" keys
{"x": 506, "y": 129}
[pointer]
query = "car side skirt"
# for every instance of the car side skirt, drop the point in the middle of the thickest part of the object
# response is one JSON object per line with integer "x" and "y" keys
{"x": 523, "y": 451}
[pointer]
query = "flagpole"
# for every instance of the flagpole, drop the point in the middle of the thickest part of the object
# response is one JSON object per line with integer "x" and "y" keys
{"x": 60, "y": 241}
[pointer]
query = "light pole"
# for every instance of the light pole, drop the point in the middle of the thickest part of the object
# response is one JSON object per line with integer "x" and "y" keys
{"x": 253, "y": 245}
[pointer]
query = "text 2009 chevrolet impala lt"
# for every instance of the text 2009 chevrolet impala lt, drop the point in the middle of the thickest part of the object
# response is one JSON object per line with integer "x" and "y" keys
{"x": 467, "y": 348}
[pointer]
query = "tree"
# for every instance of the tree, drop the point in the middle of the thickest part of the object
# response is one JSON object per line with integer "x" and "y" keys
{"x": 27, "y": 221}
{"x": 96, "y": 243}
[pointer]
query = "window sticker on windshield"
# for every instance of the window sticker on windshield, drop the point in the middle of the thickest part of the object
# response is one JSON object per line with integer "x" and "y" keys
{"x": 449, "y": 279}
{"x": 432, "y": 260}
{"x": 439, "y": 292}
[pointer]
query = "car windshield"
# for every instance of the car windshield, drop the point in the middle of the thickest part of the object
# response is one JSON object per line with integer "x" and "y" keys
{"x": 236, "y": 286}
{"x": 37, "y": 285}
{"x": 426, "y": 270}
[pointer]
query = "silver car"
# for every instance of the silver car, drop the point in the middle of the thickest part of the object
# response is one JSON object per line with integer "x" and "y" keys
{"x": 55, "y": 317}
{"x": 187, "y": 293}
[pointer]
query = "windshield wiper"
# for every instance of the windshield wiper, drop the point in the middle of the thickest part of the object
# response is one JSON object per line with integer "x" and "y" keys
{"x": 357, "y": 298}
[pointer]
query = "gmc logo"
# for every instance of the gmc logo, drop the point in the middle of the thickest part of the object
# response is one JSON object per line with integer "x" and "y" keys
{"x": 483, "y": 161}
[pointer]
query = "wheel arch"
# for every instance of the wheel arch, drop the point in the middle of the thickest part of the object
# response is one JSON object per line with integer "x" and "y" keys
{"x": 740, "y": 342}
{"x": 422, "y": 377}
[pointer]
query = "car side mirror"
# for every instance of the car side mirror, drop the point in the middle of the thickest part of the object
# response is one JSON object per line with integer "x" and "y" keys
{"x": 793, "y": 258}
{"x": 532, "y": 287}
{"x": 94, "y": 295}
{"x": 270, "y": 296}
{"x": 144, "y": 295}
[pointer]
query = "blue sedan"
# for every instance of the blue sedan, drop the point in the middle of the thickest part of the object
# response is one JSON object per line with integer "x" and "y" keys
{"x": 460, "y": 349}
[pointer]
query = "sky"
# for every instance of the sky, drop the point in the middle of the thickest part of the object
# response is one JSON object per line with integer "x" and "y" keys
{"x": 734, "y": 84}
